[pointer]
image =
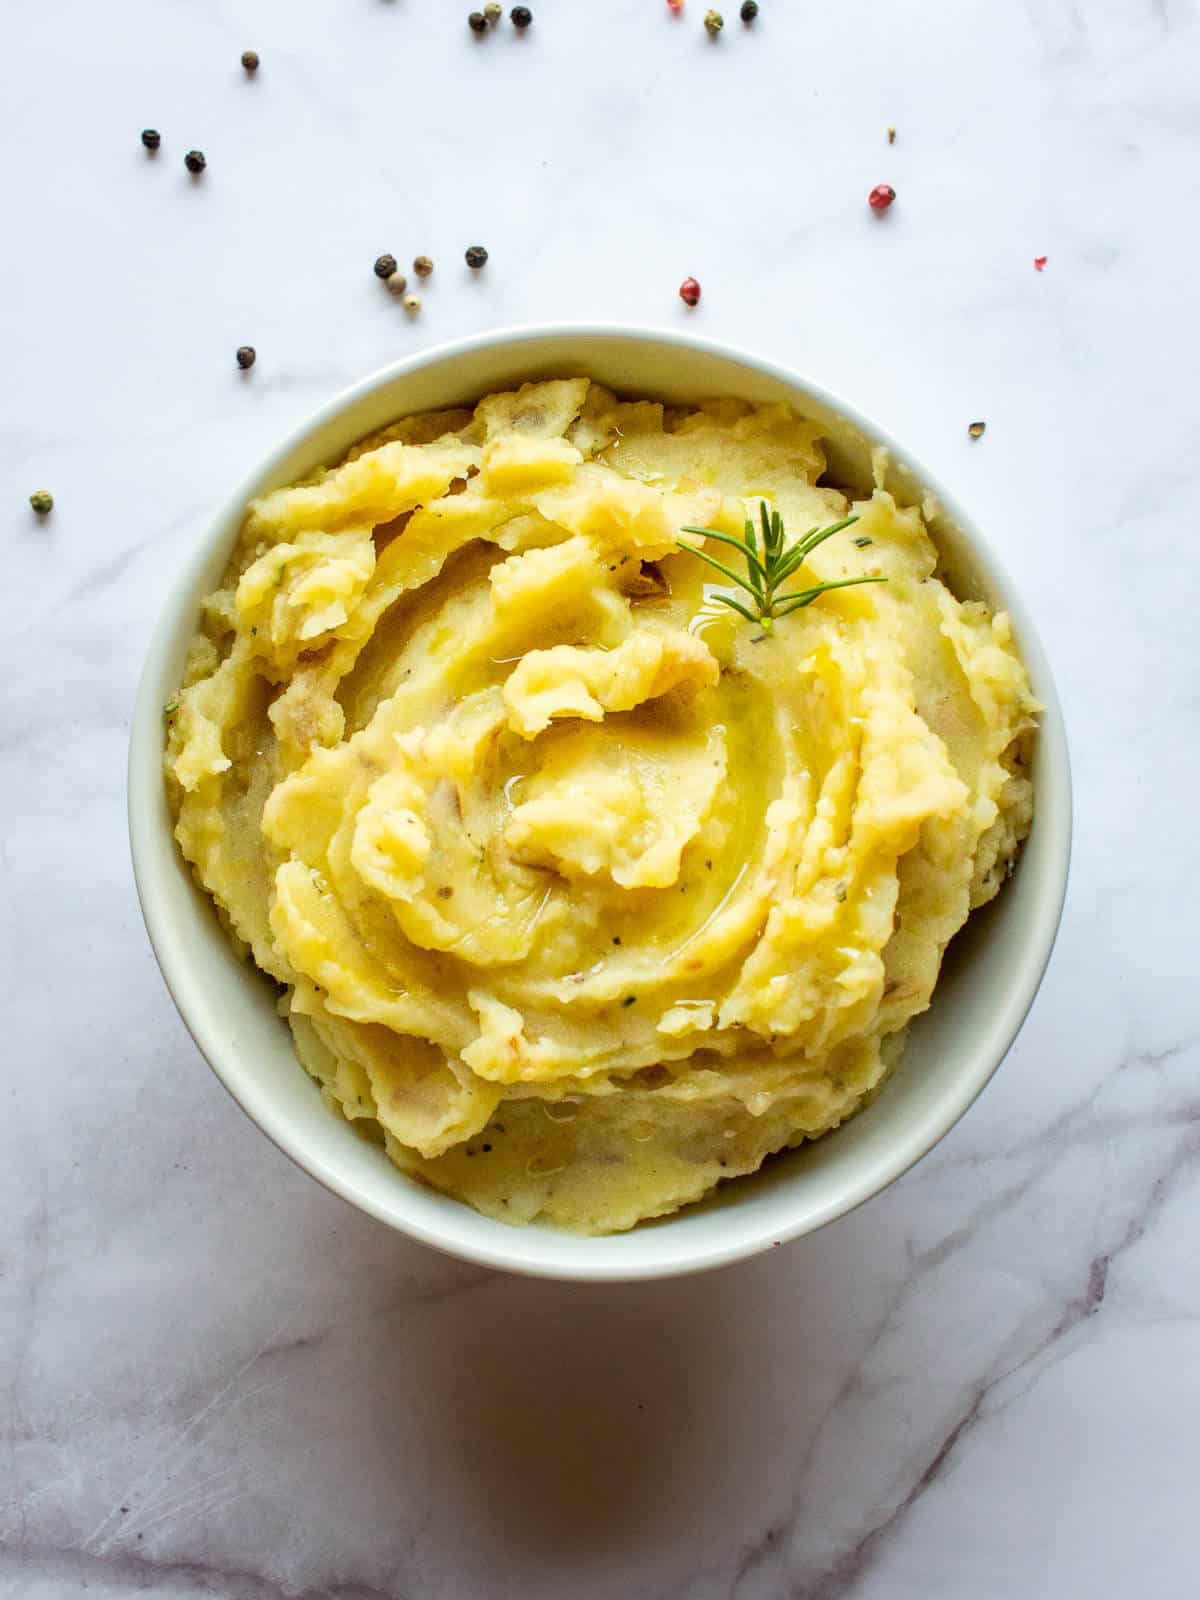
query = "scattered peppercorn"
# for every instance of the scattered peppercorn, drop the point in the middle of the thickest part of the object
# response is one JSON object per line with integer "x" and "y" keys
{"x": 749, "y": 10}
{"x": 42, "y": 502}
{"x": 384, "y": 266}
{"x": 976, "y": 429}
{"x": 714, "y": 22}
{"x": 247, "y": 355}
{"x": 881, "y": 197}
{"x": 412, "y": 304}
{"x": 250, "y": 60}
{"x": 151, "y": 138}
{"x": 476, "y": 21}
{"x": 493, "y": 11}
{"x": 891, "y": 135}
{"x": 629, "y": 1000}
{"x": 195, "y": 163}
{"x": 1040, "y": 261}
{"x": 521, "y": 16}
{"x": 476, "y": 256}
{"x": 422, "y": 266}
{"x": 689, "y": 292}
{"x": 397, "y": 283}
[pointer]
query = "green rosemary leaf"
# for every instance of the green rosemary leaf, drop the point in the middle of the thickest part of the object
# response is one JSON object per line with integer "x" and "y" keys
{"x": 728, "y": 600}
{"x": 769, "y": 565}
{"x": 805, "y": 597}
{"x": 800, "y": 552}
{"x": 734, "y": 577}
{"x": 818, "y": 536}
{"x": 752, "y": 561}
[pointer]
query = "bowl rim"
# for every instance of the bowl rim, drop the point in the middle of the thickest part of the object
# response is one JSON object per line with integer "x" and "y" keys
{"x": 144, "y": 779}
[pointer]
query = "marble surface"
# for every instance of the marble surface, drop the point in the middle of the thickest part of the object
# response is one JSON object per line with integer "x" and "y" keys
{"x": 220, "y": 1381}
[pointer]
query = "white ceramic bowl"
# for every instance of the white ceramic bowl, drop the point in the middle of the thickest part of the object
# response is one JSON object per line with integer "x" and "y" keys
{"x": 990, "y": 976}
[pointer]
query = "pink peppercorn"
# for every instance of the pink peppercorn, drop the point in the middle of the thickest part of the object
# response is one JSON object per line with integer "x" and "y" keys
{"x": 881, "y": 197}
{"x": 689, "y": 292}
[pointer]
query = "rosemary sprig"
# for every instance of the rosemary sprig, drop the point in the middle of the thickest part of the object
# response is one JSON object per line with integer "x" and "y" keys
{"x": 769, "y": 565}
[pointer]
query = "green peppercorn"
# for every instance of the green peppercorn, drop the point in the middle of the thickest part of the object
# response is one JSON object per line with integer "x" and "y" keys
{"x": 246, "y": 356}
{"x": 749, "y": 10}
{"x": 385, "y": 266}
{"x": 151, "y": 138}
{"x": 477, "y": 22}
{"x": 714, "y": 22}
{"x": 422, "y": 266}
{"x": 476, "y": 256}
{"x": 521, "y": 16}
{"x": 493, "y": 11}
{"x": 250, "y": 60}
{"x": 195, "y": 163}
{"x": 42, "y": 502}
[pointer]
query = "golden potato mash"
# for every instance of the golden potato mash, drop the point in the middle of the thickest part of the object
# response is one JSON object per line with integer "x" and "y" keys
{"x": 585, "y": 892}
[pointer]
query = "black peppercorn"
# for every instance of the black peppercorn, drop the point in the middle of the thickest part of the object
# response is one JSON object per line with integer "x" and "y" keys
{"x": 151, "y": 138}
{"x": 476, "y": 256}
{"x": 250, "y": 60}
{"x": 195, "y": 163}
{"x": 385, "y": 266}
{"x": 477, "y": 22}
{"x": 246, "y": 356}
{"x": 521, "y": 16}
{"x": 749, "y": 10}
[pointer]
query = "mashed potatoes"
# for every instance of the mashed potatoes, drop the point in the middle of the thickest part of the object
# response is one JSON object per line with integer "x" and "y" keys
{"x": 584, "y": 892}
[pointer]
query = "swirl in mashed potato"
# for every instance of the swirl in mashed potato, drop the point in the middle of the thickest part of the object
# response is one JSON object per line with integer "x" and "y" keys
{"x": 584, "y": 893}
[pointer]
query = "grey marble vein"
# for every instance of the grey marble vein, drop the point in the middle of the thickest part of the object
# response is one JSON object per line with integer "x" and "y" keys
{"x": 124, "y": 1573}
{"x": 846, "y": 1572}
